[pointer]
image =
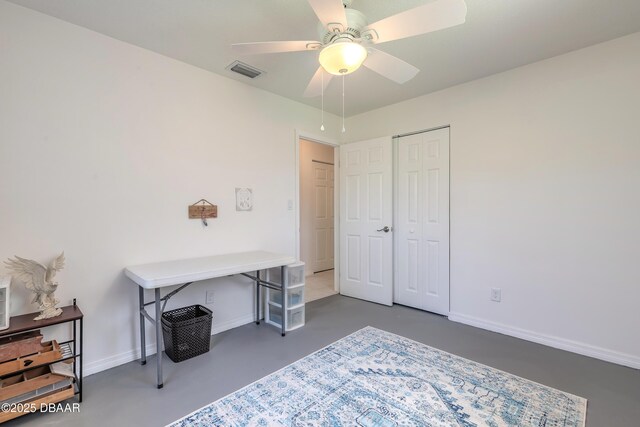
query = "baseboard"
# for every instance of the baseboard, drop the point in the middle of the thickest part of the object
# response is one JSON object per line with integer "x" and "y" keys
{"x": 131, "y": 355}
{"x": 551, "y": 341}
{"x": 216, "y": 328}
{"x": 116, "y": 360}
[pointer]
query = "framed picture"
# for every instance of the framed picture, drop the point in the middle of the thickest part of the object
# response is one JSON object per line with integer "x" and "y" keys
{"x": 244, "y": 199}
{"x": 5, "y": 287}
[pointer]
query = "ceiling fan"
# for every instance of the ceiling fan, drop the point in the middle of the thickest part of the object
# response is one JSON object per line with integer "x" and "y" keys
{"x": 347, "y": 40}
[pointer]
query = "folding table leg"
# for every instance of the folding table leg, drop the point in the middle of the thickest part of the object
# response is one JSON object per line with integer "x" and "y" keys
{"x": 143, "y": 344}
{"x": 258, "y": 297}
{"x": 159, "y": 336}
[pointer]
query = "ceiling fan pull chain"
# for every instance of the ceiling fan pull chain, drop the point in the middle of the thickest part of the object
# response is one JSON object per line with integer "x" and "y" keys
{"x": 343, "y": 129}
{"x": 322, "y": 91}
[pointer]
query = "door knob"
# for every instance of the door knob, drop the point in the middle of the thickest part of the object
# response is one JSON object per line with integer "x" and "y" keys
{"x": 386, "y": 229}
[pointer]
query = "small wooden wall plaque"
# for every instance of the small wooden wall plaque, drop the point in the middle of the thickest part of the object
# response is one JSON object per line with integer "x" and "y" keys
{"x": 203, "y": 209}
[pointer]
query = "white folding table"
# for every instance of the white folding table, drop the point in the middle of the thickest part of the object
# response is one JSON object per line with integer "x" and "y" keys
{"x": 184, "y": 272}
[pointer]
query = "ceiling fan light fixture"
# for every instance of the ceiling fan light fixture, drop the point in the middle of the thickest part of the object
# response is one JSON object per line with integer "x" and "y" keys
{"x": 342, "y": 58}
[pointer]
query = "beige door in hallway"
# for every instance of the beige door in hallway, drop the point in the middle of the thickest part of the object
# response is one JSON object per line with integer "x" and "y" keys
{"x": 323, "y": 218}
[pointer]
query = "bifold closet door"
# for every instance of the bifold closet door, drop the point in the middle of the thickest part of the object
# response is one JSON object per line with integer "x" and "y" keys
{"x": 422, "y": 221}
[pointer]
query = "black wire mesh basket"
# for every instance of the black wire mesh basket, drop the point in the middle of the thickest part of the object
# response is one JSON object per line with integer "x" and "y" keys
{"x": 186, "y": 332}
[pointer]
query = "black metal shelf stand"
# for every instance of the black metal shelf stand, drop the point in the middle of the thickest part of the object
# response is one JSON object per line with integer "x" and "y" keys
{"x": 70, "y": 313}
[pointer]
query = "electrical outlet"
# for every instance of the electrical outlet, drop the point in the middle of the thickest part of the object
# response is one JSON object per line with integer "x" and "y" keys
{"x": 209, "y": 297}
{"x": 496, "y": 294}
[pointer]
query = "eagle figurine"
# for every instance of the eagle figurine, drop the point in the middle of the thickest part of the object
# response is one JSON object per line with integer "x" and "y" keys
{"x": 39, "y": 280}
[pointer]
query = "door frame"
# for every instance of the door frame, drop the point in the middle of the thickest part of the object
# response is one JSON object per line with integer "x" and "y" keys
{"x": 395, "y": 202}
{"x": 299, "y": 134}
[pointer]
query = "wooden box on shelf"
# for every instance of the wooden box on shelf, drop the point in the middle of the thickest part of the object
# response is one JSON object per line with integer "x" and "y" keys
{"x": 29, "y": 389}
{"x": 14, "y": 346}
{"x": 49, "y": 352}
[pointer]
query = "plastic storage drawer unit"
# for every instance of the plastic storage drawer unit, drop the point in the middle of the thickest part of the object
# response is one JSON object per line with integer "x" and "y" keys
{"x": 293, "y": 311}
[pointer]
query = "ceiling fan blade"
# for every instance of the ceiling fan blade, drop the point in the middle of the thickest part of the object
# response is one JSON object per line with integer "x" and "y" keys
{"x": 315, "y": 85}
{"x": 433, "y": 16}
{"x": 389, "y": 66}
{"x": 275, "y": 47}
{"x": 329, "y": 11}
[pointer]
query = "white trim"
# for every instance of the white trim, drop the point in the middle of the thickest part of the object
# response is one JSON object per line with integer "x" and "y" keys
{"x": 320, "y": 139}
{"x": 550, "y": 340}
{"x": 336, "y": 198}
{"x": 396, "y": 244}
{"x": 230, "y": 324}
{"x": 131, "y": 355}
{"x": 116, "y": 360}
{"x": 336, "y": 219}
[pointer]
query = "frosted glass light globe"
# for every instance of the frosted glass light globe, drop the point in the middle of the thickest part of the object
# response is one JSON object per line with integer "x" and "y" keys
{"x": 342, "y": 58}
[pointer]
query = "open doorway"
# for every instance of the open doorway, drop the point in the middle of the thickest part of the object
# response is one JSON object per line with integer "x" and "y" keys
{"x": 317, "y": 219}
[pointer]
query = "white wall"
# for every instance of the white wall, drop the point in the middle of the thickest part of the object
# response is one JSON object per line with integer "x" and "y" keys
{"x": 309, "y": 151}
{"x": 545, "y": 181}
{"x": 103, "y": 145}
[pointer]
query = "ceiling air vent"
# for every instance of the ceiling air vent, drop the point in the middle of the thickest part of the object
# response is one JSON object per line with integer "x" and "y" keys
{"x": 244, "y": 69}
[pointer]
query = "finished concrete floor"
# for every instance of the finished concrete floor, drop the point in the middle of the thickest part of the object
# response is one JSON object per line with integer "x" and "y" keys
{"x": 127, "y": 396}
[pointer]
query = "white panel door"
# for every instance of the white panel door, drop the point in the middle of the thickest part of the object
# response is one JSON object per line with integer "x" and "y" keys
{"x": 366, "y": 209}
{"x": 323, "y": 218}
{"x": 422, "y": 221}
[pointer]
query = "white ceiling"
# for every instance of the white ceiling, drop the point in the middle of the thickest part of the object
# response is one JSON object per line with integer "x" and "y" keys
{"x": 498, "y": 35}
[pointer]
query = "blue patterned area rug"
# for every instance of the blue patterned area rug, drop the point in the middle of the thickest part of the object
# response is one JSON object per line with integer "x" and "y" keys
{"x": 373, "y": 378}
